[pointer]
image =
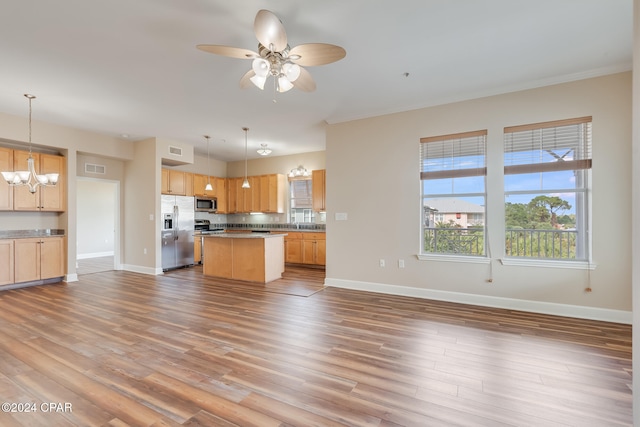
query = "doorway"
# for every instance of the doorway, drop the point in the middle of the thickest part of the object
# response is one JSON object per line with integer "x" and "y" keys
{"x": 98, "y": 225}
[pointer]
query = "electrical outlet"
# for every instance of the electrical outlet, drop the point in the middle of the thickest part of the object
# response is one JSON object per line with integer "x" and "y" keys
{"x": 144, "y": 251}
{"x": 400, "y": 263}
{"x": 381, "y": 262}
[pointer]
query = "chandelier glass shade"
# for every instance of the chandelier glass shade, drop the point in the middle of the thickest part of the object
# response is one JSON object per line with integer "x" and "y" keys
{"x": 264, "y": 151}
{"x": 277, "y": 65}
{"x": 30, "y": 177}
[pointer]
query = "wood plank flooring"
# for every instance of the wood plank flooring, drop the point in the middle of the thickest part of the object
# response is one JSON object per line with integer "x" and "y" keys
{"x": 181, "y": 350}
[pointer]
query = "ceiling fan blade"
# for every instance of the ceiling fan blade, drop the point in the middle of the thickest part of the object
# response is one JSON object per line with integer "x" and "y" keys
{"x": 270, "y": 31}
{"x": 232, "y": 52}
{"x": 305, "y": 82}
{"x": 245, "y": 81}
{"x": 312, "y": 54}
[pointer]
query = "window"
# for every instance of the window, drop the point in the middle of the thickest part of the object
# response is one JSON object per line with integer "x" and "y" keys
{"x": 547, "y": 180}
{"x": 452, "y": 172}
{"x": 301, "y": 202}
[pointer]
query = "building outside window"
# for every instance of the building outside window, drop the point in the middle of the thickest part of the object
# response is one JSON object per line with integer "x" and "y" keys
{"x": 300, "y": 200}
{"x": 453, "y": 174}
{"x": 547, "y": 183}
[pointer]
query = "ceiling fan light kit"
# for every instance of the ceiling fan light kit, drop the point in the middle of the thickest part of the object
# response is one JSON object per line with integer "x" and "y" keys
{"x": 277, "y": 59}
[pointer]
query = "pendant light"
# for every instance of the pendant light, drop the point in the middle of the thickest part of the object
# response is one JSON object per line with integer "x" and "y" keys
{"x": 245, "y": 183}
{"x": 30, "y": 177}
{"x": 208, "y": 187}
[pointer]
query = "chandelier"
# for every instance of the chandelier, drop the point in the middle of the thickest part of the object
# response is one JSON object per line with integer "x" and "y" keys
{"x": 30, "y": 177}
{"x": 264, "y": 151}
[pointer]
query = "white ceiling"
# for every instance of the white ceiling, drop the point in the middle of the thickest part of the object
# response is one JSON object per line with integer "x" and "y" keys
{"x": 131, "y": 66}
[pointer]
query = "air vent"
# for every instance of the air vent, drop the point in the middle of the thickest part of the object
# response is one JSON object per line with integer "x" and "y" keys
{"x": 93, "y": 168}
{"x": 176, "y": 151}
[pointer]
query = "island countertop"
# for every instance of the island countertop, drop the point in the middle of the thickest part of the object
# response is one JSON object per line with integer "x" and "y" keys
{"x": 242, "y": 235}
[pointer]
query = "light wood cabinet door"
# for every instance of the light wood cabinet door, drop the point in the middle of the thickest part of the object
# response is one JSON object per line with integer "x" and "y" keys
{"x": 38, "y": 258}
{"x": 293, "y": 248}
{"x": 314, "y": 248}
{"x": 200, "y": 183}
{"x": 220, "y": 187}
{"x": 6, "y": 192}
{"x": 318, "y": 190}
{"x": 50, "y": 198}
{"x": 52, "y": 257}
{"x": 6, "y": 262}
{"x": 272, "y": 188}
{"x": 188, "y": 184}
{"x": 27, "y": 260}
{"x": 173, "y": 182}
{"x": 53, "y": 199}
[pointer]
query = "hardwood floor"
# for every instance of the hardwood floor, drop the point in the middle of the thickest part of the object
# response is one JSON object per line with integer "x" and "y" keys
{"x": 95, "y": 265}
{"x": 178, "y": 349}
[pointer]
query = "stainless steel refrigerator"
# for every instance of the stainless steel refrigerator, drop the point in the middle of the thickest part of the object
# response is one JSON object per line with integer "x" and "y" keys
{"x": 177, "y": 231}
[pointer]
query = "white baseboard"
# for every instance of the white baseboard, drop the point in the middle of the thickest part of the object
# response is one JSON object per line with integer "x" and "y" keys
{"x": 143, "y": 270}
{"x": 580, "y": 312}
{"x": 71, "y": 278}
{"x": 94, "y": 255}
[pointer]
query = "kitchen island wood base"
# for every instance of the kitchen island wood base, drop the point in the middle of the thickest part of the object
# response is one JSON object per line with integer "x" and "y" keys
{"x": 249, "y": 257}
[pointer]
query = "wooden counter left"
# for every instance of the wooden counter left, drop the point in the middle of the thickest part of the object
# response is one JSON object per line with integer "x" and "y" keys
{"x": 253, "y": 257}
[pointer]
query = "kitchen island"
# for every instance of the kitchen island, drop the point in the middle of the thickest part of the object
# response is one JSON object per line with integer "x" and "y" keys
{"x": 253, "y": 257}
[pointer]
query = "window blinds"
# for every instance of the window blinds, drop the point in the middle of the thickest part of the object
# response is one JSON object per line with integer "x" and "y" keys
{"x": 547, "y": 147}
{"x": 453, "y": 156}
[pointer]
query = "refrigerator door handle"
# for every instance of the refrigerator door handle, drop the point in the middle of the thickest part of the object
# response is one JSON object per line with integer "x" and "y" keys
{"x": 176, "y": 227}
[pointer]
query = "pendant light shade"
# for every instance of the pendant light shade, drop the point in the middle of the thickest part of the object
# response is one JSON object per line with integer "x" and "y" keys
{"x": 245, "y": 183}
{"x": 208, "y": 187}
{"x": 30, "y": 177}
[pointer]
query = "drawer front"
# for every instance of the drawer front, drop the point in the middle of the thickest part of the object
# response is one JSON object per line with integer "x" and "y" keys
{"x": 313, "y": 236}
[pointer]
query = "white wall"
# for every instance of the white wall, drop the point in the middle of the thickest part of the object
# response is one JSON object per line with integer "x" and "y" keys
{"x": 373, "y": 176}
{"x": 96, "y": 218}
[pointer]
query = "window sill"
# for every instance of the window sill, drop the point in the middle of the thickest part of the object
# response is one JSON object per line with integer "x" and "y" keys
{"x": 522, "y": 262}
{"x": 454, "y": 258}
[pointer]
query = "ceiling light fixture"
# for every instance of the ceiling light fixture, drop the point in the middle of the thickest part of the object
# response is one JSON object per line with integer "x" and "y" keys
{"x": 276, "y": 58}
{"x": 299, "y": 171}
{"x": 245, "y": 183}
{"x": 264, "y": 151}
{"x": 29, "y": 177}
{"x": 208, "y": 187}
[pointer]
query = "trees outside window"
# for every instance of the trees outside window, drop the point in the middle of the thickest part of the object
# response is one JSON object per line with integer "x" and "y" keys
{"x": 547, "y": 183}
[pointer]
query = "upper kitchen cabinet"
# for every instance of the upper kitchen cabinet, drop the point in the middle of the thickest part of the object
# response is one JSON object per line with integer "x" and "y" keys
{"x": 318, "y": 190}
{"x": 49, "y": 198}
{"x": 174, "y": 182}
{"x": 272, "y": 191}
{"x": 266, "y": 194}
{"x": 6, "y": 192}
{"x": 199, "y": 184}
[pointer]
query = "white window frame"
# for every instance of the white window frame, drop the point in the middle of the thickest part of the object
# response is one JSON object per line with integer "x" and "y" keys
{"x": 544, "y": 137}
{"x": 441, "y": 158}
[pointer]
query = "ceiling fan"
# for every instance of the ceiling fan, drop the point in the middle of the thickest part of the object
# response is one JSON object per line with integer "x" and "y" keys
{"x": 276, "y": 58}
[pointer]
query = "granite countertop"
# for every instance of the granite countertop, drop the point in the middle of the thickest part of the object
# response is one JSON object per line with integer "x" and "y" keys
{"x": 26, "y": 234}
{"x": 243, "y": 235}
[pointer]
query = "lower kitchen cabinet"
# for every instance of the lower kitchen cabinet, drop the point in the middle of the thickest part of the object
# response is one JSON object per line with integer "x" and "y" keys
{"x": 293, "y": 248}
{"x": 305, "y": 248}
{"x": 314, "y": 248}
{"x": 38, "y": 258}
{"x": 6, "y": 262}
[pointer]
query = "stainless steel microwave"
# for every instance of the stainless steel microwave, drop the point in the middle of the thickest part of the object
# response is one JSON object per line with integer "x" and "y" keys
{"x": 206, "y": 204}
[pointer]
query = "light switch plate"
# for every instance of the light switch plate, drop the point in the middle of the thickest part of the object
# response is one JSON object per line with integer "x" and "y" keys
{"x": 341, "y": 216}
